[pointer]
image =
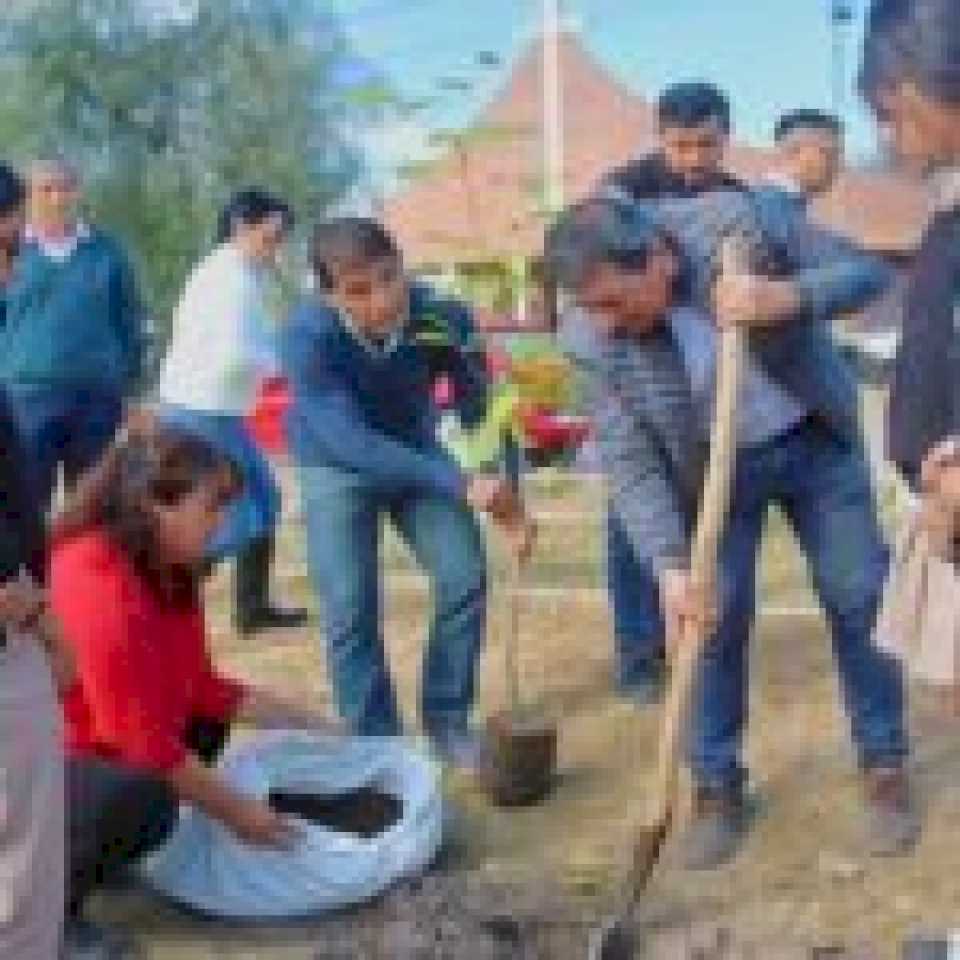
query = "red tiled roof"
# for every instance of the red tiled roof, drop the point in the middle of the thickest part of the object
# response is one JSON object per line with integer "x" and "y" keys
{"x": 481, "y": 201}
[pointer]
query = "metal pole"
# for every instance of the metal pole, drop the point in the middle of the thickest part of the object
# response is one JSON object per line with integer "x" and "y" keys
{"x": 841, "y": 18}
{"x": 552, "y": 107}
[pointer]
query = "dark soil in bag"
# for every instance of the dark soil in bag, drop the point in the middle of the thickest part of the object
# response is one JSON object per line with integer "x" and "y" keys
{"x": 365, "y": 812}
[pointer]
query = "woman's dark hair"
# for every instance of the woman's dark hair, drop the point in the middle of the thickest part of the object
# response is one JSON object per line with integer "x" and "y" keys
{"x": 691, "y": 104}
{"x": 147, "y": 466}
{"x": 249, "y": 208}
{"x": 12, "y": 190}
{"x": 348, "y": 242}
{"x": 607, "y": 230}
{"x": 916, "y": 40}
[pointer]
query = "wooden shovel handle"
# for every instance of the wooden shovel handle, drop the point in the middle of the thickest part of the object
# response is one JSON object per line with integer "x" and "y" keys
{"x": 513, "y": 464}
{"x": 510, "y": 665}
{"x": 689, "y": 640}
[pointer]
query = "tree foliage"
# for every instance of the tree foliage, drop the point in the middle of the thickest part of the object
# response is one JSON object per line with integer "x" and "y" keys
{"x": 168, "y": 105}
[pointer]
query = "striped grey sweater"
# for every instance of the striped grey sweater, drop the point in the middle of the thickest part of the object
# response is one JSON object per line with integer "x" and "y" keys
{"x": 651, "y": 438}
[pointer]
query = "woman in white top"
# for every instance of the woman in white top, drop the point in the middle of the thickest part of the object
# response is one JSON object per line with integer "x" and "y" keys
{"x": 222, "y": 349}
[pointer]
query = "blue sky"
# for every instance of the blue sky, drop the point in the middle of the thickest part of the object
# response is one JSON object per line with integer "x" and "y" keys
{"x": 769, "y": 54}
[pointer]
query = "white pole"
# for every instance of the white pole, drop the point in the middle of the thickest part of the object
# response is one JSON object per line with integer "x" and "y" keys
{"x": 552, "y": 107}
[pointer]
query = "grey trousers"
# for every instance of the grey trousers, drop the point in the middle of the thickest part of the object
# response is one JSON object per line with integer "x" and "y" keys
{"x": 31, "y": 805}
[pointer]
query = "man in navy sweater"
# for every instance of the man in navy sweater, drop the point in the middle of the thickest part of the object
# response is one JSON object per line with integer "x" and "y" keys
{"x": 72, "y": 344}
{"x": 361, "y": 358}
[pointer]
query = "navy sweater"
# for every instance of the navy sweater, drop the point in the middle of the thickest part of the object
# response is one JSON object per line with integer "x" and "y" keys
{"x": 75, "y": 323}
{"x": 371, "y": 413}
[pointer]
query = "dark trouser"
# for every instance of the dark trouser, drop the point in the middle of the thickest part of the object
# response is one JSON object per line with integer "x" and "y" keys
{"x": 822, "y": 484}
{"x": 249, "y": 529}
{"x": 72, "y": 425}
{"x": 116, "y": 815}
{"x": 635, "y": 603}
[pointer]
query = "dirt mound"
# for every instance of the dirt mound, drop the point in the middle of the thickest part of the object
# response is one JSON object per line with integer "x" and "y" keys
{"x": 454, "y": 918}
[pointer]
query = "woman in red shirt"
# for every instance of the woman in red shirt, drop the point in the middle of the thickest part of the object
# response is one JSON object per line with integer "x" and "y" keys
{"x": 148, "y": 711}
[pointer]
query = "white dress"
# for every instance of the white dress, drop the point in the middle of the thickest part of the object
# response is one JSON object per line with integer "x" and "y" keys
{"x": 31, "y": 805}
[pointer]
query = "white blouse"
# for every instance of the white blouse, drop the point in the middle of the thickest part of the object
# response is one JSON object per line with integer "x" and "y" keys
{"x": 223, "y": 340}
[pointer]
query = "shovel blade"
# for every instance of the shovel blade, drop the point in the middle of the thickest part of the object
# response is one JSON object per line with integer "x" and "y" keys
{"x": 615, "y": 940}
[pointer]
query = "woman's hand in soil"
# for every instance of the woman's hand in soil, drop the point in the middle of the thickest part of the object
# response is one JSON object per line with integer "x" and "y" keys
{"x": 257, "y": 824}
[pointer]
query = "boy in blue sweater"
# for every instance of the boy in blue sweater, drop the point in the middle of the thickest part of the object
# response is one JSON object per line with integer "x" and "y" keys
{"x": 72, "y": 344}
{"x": 361, "y": 358}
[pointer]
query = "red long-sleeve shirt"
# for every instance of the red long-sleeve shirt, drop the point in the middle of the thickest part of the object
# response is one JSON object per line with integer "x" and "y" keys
{"x": 143, "y": 667}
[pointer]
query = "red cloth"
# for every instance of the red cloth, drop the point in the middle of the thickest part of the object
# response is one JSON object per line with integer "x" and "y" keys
{"x": 143, "y": 668}
{"x": 267, "y": 420}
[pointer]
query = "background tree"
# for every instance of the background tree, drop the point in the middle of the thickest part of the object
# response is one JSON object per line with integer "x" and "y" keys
{"x": 169, "y": 105}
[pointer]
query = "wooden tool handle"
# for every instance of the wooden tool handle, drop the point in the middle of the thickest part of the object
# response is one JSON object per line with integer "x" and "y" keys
{"x": 513, "y": 638}
{"x": 688, "y": 642}
{"x": 513, "y": 466}
{"x": 714, "y": 506}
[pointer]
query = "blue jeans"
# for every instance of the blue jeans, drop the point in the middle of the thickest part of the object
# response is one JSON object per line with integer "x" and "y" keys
{"x": 343, "y": 516}
{"x": 822, "y": 484}
{"x": 255, "y": 513}
{"x": 64, "y": 424}
{"x": 635, "y": 602}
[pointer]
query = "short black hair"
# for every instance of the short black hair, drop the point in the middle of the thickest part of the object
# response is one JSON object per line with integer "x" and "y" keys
{"x": 602, "y": 230}
{"x": 12, "y": 190}
{"x": 807, "y": 119}
{"x": 250, "y": 207}
{"x": 348, "y": 241}
{"x": 691, "y": 104}
{"x": 916, "y": 40}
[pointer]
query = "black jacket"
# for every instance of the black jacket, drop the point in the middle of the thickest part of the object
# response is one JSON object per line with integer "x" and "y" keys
{"x": 21, "y": 529}
{"x": 647, "y": 178}
{"x": 925, "y": 398}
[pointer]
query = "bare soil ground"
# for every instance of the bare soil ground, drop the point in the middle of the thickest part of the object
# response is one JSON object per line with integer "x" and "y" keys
{"x": 802, "y": 881}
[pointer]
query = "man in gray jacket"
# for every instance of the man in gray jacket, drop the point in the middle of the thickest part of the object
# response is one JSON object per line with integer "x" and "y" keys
{"x": 652, "y": 377}
{"x": 686, "y": 187}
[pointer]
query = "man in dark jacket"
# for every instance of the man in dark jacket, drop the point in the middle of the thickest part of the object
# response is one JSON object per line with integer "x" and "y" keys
{"x": 72, "y": 345}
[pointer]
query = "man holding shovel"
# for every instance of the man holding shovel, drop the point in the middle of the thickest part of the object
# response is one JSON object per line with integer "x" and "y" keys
{"x": 798, "y": 448}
